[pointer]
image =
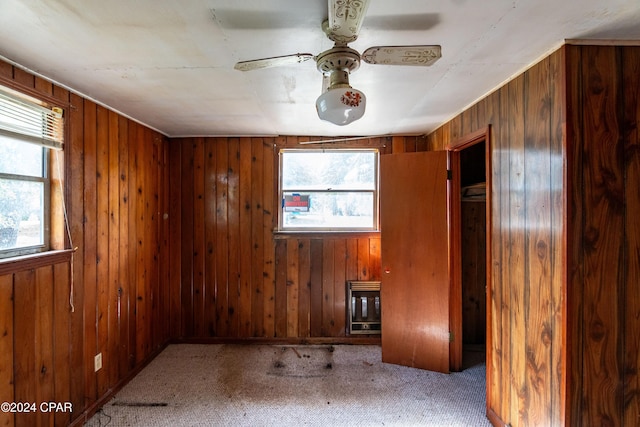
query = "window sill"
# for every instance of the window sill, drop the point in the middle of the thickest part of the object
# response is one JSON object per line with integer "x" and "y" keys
{"x": 289, "y": 234}
{"x": 33, "y": 261}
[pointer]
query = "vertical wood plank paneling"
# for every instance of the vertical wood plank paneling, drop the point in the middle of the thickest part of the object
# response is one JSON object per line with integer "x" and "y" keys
{"x": 61, "y": 324}
{"x": 292, "y": 287}
{"x": 175, "y": 231}
{"x": 455, "y": 128}
{"x": 113, "y": 243}
{"x": 199, "y": 277}
{"x": 222, "y": 243}
{"x": 143, "y": 245}
{"x": 498, "y": 393}
{"x": 281, "y": 315}
{"x": 153, "y": 259}
{"x": 283, "y": 297}
{"x": 90, "y": 251}
{"x": 75, "y": 152}
{"x": 304, "y": 287}
{"x": 125, "y": 303}
{"x": 154, "y": 323}
{"x": 375, "y": 266}
{"x": 353, "y": 265}
{"x": 257, "y": 238}
{"x": 315, "y": 291}
{"x": 164, "y": 237}
{"x": 132, "y": 278}
{"x": 102, "y": 246}
{"x": 604, "y": 238}
{"x": 363, "y": 259}
{"x": 43, "y": 339}
{"x": 558, "y": 251}
{"x": 149, "y": 254}
{"x": 233, "y": 235}
{"x": 518, "y": 403}
{"x": 538, "y": 245}
{"x": 6, "y": 347}
{"x": 24, "y": 364}
{"x": 268, "y": 224}
{"x": 631, "y": 380}
{"x": 328, "y": 270}
{"x": 210, "y": 207}
{"x": 61, "y": 343}
{"x": 575, "y": 220}
{"x": 345, "y": 259}
{"x": 246, "y": 246}
{"x": 186, "y": 239}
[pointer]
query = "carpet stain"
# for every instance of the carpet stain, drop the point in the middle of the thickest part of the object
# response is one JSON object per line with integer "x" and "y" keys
{"x": 304, "y": 362}
{"x": 140, "y": 404}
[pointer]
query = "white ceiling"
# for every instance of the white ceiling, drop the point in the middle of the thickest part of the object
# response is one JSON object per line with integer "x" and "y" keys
{"x": 169, "y": 64}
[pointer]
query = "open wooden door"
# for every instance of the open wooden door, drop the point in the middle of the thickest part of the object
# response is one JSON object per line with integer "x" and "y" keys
{"x": 415, "y": 282}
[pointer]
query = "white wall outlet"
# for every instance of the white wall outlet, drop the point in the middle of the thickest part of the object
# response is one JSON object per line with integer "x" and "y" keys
{"x": 97, "y": 362}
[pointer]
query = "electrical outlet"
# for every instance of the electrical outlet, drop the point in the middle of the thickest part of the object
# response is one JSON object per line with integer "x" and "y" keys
{"x": 97, "y": 362}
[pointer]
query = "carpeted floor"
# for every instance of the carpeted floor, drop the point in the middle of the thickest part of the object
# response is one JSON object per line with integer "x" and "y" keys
{"x": 285, "y": 385}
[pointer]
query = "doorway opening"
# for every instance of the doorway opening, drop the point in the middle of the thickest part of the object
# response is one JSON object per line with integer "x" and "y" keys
{"x": 469, "y": 219}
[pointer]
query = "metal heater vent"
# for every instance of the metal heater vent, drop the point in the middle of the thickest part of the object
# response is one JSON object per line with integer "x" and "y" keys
{"x": 364, "y": 311}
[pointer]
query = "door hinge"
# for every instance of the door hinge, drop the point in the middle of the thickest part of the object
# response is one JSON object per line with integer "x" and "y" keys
{"x": 449, "y": 175}
{"x": 451, "y": 337}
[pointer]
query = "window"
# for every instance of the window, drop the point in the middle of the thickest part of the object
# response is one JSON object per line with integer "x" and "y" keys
{"x": 28, "y": 132}
{"x": 328, "y": 190}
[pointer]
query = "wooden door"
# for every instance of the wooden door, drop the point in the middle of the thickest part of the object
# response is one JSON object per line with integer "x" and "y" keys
{"x": 415, "y": 282}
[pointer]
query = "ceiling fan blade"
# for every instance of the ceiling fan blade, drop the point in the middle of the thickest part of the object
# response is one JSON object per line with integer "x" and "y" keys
{"x": 402, "y": 55}
{"x": 275, "y": 61}
{"x": 345, "y": 19}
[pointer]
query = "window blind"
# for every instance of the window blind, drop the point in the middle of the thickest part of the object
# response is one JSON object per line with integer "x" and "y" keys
{"x": 30, "y": 121}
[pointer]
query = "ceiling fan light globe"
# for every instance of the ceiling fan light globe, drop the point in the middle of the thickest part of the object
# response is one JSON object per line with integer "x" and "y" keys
{"x": 341, "y": 106}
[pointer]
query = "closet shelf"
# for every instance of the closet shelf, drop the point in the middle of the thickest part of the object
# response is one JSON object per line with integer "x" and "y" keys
{"x": 474, "y": 192}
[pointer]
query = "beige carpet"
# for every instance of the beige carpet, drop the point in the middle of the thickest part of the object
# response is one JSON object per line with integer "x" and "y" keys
{"x": 282, "y": 385}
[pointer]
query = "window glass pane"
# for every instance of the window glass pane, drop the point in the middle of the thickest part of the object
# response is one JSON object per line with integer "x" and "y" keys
{"x": 21, "y": 213}
{"x": 316, "y": 170}
{"x": 328, "y": 210}
{"x": 20, "y": 158}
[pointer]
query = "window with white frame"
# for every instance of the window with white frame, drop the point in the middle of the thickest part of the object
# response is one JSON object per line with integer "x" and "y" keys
{"x": 29, "y": 130}
{"x": 328, "y": 190}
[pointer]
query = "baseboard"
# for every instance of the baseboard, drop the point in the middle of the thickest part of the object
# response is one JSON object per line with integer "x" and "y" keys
{"x": 297, "y": 341}
{"x": 93, "y": 408}
{"x": 494, "y": 419}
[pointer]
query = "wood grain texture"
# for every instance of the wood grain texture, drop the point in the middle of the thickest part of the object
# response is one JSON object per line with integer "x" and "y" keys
{"x": 257, "y": 283}
{"x": 565, "y": 138}
{"x": 538, "y": 245}
{"x": 591, "y": 298}
{"x": 69, "y": 308}
{"x": 416, "y": 286}
{"x": 603, "y": 204}
{"x": 7, "y": 419}
{"x": 631, "y": 356}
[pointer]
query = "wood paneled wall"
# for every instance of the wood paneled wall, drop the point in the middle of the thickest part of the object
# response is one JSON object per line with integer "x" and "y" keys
{"x": 604, "y": 205}
{"x": 231, "y": 275}
{"x": 528, "y": 220}
{"x": 564, "y": 297}
{"x": 116, "y": 190}
{"x": 564, "y": 291}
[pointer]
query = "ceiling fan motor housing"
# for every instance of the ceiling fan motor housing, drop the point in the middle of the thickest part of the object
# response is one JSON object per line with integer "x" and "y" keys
{"x": 338, "y": 62}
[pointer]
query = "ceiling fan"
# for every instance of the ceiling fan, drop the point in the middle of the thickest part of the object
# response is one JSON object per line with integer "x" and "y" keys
{"x": 339, "y": 103}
